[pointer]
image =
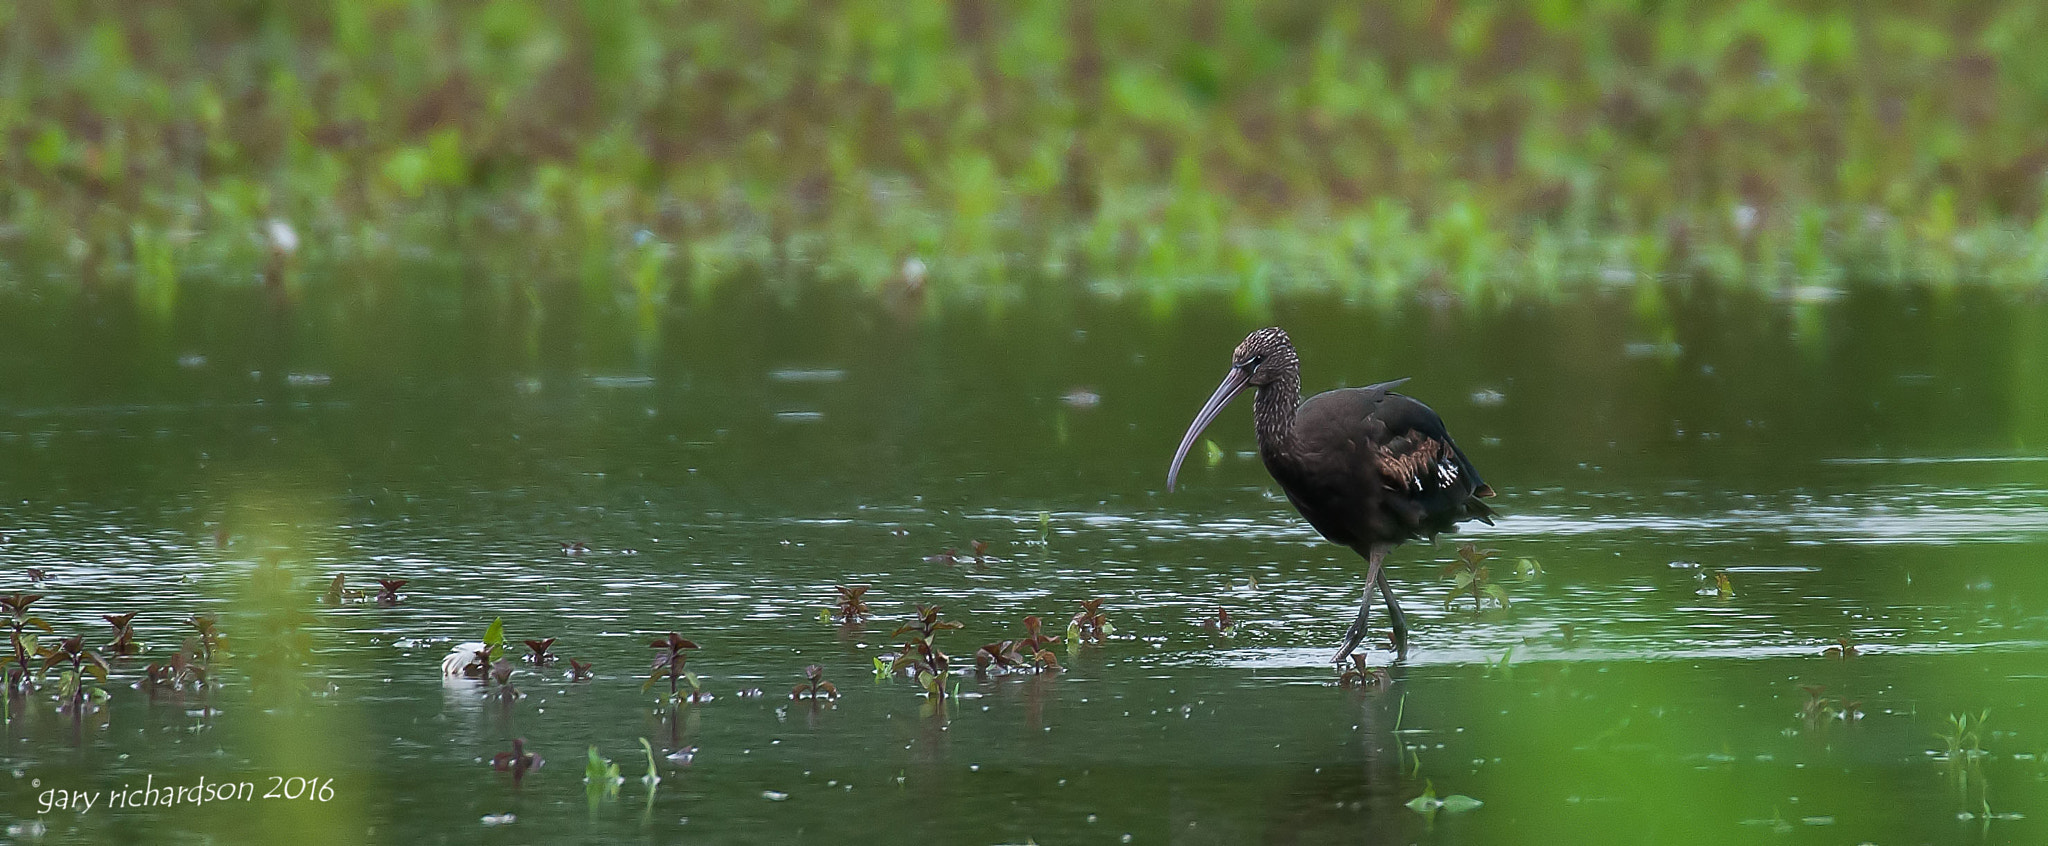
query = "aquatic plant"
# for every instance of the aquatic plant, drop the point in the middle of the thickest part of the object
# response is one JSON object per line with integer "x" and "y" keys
{"x": 1964, "y": 737}
{"x": 1502, "y": 666}
{"x": 1014, "y": 655}
{"x": 1963, "y": 755}
{"x": 1469, "y": 576}
{"x": 80, "y": 661}
{"x": 537, "y": 651}
{"x": 575, "y": 548}
{"x": 498, "y": 682}
{"x": 929, "y": 665}
{"x": 852, "y": 608}
{"x": 155, "y": 677}
{"x": 1221, "y": 623}
{"x": 814, "y": 687}
{"x": 977, "y": 555}
{"x": 123, "y": 643}
{"x": 1001, "y": 655}
{"x": 1035, "y": 638}
{"x": 1842, "y": 649}
{"x": 1819, "y": 708}
{"x": 1816, "y": 704}
{"x": 23, "y": 646}
{"x": 1714, "y": 583}
{"x": 1026, "y": 654}
{"x": 207, "y": 637}
{"x": 338, "y": 594}
{"x": 600, "y": 776}
{"x": 668, "y": 664}
{"x": 186, "y": 668}
{"x": 518, "y": 762}
{"x": 387, "y": 591}
{"x": 1428, "y": 804}
{"x": 579, "y": 670}
{"x": 1089, "y": 625}
{"x": 652, "y": 777}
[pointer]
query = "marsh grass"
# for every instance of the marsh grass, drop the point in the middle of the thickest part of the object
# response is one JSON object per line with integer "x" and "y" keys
{"x": 641, "y": 148}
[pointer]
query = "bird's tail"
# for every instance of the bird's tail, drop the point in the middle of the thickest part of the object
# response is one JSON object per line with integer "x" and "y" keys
{"x": 1480, "y": 510}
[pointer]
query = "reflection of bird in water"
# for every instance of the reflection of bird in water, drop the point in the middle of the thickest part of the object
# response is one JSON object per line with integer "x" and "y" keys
{"x": 1359, "y": 800}
{"x": 1368, "y": 467}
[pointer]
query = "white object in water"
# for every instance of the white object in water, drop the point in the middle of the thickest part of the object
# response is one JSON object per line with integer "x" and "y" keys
{"x": 459, "y": 657}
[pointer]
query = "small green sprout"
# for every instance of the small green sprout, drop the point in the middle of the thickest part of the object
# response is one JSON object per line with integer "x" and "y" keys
{"x": 1470, "y": 577}
{"x": 601, "y": 776}
{"x": 652, "y": 778}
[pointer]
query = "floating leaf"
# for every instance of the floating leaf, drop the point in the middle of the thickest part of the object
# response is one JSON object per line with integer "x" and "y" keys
{"x": 1458, "y": 803}
{"x": 1426, "y": 803}
{"x": 494, "y": 638}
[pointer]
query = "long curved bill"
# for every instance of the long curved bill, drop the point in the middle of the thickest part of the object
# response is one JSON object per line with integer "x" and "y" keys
{"x": 1232, "y": 384}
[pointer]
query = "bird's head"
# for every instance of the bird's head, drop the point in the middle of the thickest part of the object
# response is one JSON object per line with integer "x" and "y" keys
{"x": 1264, "y": 356}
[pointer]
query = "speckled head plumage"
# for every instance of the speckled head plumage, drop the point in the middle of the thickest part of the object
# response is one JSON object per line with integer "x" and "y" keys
{"x": 1266, "y": 356}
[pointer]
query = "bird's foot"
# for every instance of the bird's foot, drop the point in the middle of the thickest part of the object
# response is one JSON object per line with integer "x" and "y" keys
{"x": 1351, "y": 638}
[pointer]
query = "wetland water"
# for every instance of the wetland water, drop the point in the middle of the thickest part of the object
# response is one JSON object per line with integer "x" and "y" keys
{"x": 1868, "y": 466}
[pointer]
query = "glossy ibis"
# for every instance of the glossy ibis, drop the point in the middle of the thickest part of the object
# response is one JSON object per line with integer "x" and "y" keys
{"x": 1369, "y": 468}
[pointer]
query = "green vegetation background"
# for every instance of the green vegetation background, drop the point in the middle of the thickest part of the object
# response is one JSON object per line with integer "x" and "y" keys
{"x": 1364, "y": 147}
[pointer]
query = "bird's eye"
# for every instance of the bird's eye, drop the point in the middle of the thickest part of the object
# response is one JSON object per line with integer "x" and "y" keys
{"x": 1253, "y": 362}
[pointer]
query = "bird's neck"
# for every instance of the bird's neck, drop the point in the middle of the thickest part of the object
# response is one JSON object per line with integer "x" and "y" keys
{"x": 1273, "y": 413}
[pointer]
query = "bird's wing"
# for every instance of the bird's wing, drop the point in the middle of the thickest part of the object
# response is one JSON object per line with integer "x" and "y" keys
{"x": 1416, "y": 457}
{"x": 1379, "y": 389}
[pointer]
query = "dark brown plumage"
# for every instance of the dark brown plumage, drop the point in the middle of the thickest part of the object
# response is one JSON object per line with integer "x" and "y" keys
{"x": 1369, "y": 468}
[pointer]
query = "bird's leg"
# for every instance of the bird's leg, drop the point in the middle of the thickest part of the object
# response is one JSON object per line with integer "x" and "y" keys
{"x": 1357, "y": 631}
{"x": 1393, "y": 612}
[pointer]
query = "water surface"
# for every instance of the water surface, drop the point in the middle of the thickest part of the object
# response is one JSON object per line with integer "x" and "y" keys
{"x": 1866, "y": 467}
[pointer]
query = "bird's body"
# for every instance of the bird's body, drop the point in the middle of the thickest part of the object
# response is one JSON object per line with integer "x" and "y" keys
{"x": 1368, "y": 468}
{"x": 1367, "y": 465}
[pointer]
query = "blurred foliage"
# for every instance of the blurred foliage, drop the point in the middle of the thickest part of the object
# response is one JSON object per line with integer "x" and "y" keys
{"x": 1366, "y": 148}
